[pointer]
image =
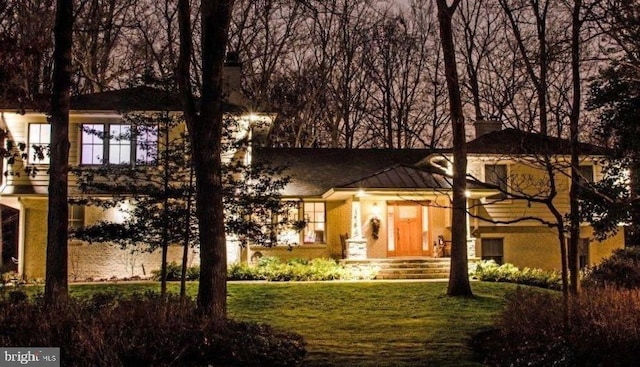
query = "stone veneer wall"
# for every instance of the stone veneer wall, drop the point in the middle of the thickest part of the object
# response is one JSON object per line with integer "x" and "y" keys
{"x": 105, "y": 261}
{"x": 88, "y": 261}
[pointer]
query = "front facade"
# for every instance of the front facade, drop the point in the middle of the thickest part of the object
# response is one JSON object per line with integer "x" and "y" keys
{"x": 356, "y": 204}
{"x": 378, "y": 204}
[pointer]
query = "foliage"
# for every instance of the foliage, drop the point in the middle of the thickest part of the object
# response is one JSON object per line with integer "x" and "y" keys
{"x": 152, "y": 194}
{"x": 489, "y": 271}
{"x": 621, "y": 269}
{"x": 174, "y": 272}
{"x": 272, "y": 269}
{"x": 603, "y": 330}
{"x": 106, "y": 330}
{"x": 252, "y": 196}
{"x": 616, "y": 97}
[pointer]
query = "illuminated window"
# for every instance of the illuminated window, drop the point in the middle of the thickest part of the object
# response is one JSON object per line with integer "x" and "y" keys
{"x": 314, "y": 217}
{"x": 39, "y": 140}
{"x": 116, "y": 144}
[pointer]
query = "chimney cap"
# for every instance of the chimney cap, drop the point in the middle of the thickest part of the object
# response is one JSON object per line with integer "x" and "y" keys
{"x": 487, "y": 126}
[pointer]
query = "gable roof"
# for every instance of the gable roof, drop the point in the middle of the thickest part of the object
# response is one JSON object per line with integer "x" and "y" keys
{"x": 141, "y": 98}
{"x": 314, "y": 171}
{"x": 518, "y": 142}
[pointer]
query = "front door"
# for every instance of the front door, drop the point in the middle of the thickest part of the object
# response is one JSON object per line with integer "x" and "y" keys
{"x": 408, "y": 229}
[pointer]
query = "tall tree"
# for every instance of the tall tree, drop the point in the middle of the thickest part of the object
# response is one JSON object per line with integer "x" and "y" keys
{"x": 459, "y": 276}
{"x": 616, "y": 95}
{"x": 56, "y": 283}
{"x": 204, "y": 119}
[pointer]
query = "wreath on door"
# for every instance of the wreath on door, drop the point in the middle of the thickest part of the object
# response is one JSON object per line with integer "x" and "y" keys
{"x": 375, "y": 227}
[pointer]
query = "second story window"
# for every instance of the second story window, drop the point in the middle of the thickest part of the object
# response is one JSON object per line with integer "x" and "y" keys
{"x": 117, "y": 144}
{"x": 39, "y": 140}
{"x": 497, "y": 174}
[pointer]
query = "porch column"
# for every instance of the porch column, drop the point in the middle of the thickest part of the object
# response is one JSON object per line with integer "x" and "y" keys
{"x": 356, "y": 244}
{"x": 471, "y": 241}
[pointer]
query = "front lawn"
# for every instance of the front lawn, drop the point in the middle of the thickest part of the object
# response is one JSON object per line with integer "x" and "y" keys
{"x": 362, "y": 323}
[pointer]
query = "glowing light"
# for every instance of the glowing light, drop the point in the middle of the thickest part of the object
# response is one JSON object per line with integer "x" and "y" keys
{"x": 375, "y": 210}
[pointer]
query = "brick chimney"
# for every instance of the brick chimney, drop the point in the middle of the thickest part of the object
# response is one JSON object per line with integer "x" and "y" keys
{"x": 484, "y": 127}
{"x": 232, "y": 79}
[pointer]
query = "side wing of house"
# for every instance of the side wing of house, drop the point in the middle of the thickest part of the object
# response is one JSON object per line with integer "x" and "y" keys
{"x": 517, "y": 225}
{"x": 23, "y": 194}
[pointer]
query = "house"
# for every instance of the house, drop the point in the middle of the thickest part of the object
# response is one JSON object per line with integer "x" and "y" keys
{"x": 24, "y": 188}
{"x": 358, "y": 204}
{"x": 396, "y": 203}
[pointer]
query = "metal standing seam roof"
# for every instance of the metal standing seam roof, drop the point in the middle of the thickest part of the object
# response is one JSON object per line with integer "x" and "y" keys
{"x": 402, "y": 176}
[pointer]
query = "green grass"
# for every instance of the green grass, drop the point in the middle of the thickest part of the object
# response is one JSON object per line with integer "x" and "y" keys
{"x": 362, "y": 323}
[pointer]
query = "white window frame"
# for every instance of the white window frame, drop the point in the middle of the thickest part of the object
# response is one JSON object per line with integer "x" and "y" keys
{"x": 315, "y": 222}
{"x": 110, "y": 147}
{"x": 36, "y": 138}
{"x": 76, "y": 216}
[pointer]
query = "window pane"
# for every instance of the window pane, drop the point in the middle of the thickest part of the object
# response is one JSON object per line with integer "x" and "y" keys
{"x": 496, "y": 174}
{"x": 38, "y": 146}
{"x": 119, "y": 144}
{"x": 314, "y": 217}
{"x": 492, "y": 249}
{"x": 76, "y": 216}
{"x": 147, "y": 145}
{"x": 586, "y": 173}
{"x": 92, "y": 144}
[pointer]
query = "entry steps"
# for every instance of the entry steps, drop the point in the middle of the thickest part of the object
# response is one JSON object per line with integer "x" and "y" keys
{"x": 404, "y": 268}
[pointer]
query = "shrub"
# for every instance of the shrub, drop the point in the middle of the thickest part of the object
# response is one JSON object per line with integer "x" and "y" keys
{"x": 621, "y": 269}
{"x": 174, "y": 272}
{"x": 144, "y": 330}
{"x": 273, "y": 269}
{"x": 530, "y": 332}
{"x": 489, "y": 271}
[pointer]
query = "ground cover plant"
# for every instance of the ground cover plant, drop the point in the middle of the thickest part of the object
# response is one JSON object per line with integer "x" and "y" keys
{"x": 358, "y": 323}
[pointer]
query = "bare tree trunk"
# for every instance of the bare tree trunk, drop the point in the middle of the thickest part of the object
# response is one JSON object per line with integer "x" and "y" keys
{"x": 205, "y": 129}
{"x": 459, "y": 276}
{"x": 56, "y": 283}
{"x": 187, "y": 237}
{"x": 574, "y": 220}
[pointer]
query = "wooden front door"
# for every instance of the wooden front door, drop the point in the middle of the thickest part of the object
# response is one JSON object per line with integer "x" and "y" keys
{"x": 408, "y": 229}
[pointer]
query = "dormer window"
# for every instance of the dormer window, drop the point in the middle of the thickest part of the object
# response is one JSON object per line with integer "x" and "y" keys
{"x": 116, "y": 144}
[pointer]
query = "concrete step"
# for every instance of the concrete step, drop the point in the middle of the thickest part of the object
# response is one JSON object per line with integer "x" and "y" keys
{"x": 426, "y": 268}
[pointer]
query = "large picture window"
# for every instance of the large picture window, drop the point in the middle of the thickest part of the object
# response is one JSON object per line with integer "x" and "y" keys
{"x": 314, "y": 216}
{"x": 117, "y": 144}
{"x": 39, "y": 140}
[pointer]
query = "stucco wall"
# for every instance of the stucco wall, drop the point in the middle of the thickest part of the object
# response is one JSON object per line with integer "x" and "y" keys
{"x": 537, "y": 247}
{"x": 35, "y": 229}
